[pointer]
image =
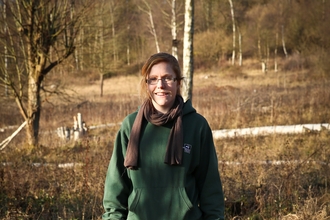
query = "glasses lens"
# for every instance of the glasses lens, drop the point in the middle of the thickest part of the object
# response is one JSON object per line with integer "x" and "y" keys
{"x": 154, "y": 81}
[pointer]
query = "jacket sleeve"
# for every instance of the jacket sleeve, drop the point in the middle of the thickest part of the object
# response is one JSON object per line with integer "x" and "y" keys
{"x": 117, "y": 184}
{"x": 208, "y": 179}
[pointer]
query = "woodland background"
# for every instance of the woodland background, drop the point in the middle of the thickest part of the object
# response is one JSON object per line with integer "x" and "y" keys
{"x": 273, "y": 71}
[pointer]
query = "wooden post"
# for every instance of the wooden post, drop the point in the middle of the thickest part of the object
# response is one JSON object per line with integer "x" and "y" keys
{"x": 67, "y": 133}
{"x": 80, "y": 127}
{"x": 75, "y": 128}
{"x": 78, "y": 130}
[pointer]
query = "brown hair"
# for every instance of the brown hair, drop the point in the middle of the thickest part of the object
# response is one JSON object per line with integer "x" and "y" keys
{"x": 153, "y": 60}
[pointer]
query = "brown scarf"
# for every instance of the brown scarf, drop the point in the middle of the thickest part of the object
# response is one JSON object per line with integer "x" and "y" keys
{"x": 175, "y": 142}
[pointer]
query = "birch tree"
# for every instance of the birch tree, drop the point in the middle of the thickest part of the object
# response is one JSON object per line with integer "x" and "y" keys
{"x": 283, "y": 41}
{"x": 171, "y": 20}
{"x": 234, "y": 31}
{"x": 188, "y": 59}
{"x": 282, "y": 15}
{"x": 40, "y": 27}
{"x": 174, "y": 30}
{"x": 152, "y": 28}
{"x": 240, "y": 52}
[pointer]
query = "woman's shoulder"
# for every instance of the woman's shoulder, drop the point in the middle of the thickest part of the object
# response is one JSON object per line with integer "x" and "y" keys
{"x": 190, "y": 113}
{"x": 130, "y": 117}
{"x": 195, "y": 117}
{"x": 128, "y": 121}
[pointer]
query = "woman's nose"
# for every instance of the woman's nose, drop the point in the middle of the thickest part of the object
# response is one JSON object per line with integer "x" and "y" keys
{"x": 160, "y": 83}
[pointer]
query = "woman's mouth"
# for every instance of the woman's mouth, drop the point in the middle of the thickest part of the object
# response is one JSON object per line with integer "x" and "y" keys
{"x": 162, "y": 93}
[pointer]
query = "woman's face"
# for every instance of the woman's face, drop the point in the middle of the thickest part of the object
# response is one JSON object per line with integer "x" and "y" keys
{"x": 162, "y": 86}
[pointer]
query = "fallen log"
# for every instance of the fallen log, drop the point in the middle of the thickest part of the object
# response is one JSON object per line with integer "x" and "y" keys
{"x": 8, "y": 139}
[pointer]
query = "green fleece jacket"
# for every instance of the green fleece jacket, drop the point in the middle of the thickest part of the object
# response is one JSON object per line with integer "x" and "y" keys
{"x": 157, "y": 191}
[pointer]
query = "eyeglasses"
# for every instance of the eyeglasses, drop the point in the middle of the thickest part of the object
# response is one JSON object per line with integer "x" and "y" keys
{"x": 168, "y": 80}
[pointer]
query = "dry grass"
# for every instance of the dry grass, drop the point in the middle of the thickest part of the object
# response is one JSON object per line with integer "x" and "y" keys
{"x": 34, "y": 186}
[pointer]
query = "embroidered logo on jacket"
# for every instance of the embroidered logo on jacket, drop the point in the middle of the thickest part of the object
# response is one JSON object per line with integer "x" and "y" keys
{"x": 187, "y": 148}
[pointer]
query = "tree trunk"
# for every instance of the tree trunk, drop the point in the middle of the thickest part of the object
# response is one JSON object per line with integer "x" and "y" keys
{"x": 275, "y": 51}
{"x": 261, "y": 56}
{"x": 5, "y": 48}
{"x": 33, "y": 110}
{"x": 267, "y": 56}
{"x": 188, "y": 60}
{"x": 101, "y": 84}
{"x": 152, "y": 26}
{"x": 128, "y": 55}
{"x": 81, "y": 49}
{"x": 113, "y": 33}
{"x": 234, "y": 31}
{"x": 174, "y": 32}
{"x": 102, "y": 57}
{"x": 153, "y": 30}
{"x": 37, "y": 24}
{"x": 36, "y": 66}
{"x": 283, "y": 43}
{"x": 240, "y": 47}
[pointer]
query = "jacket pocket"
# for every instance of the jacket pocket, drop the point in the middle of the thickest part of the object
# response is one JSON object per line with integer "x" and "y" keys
{"x": 133, "y": 199}
{"x": 158, "y": 203}
{"x": 185, "y": 197}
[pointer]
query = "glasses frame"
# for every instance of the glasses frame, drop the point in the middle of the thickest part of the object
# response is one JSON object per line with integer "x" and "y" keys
{"x": 167, "y": 80}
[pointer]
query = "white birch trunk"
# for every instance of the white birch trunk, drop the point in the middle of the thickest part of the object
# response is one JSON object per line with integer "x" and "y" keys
{"x": 94, "y": 54}
{"x": 240, "y": 47}
{"x": 234, "y": 31}
{"x": 267, "y": 57}
{"x": 76, "y": 58}
{"x": 283, "y": 43}
{"x": 174, "y": 31}
{"x": 81, "y": 49}
{"x": 275, "y": 52}
{"x": 152, "y": 26}
{"x": 153, "y": 31}
{"x": 262, "y": 58}
{"x": 127, "y": 48}
{"x": 269, "y": 130}
{"x": 188, "y": 61}
{"x": 4, "y": 143}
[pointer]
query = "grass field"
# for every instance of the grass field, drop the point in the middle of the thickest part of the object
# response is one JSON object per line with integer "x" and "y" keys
{"x": 33, "y": 185}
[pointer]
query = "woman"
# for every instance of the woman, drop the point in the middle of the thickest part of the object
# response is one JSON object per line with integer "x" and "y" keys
{"x": 164, "y": 164}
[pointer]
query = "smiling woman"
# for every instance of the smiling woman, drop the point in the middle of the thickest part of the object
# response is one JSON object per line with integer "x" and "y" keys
{"x": 159, "y": 66}
{"x": 164, "y": 164}
{"x": 162, "y": 87}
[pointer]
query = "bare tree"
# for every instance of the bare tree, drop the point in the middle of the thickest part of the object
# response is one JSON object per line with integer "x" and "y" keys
{"x": 171, "y": 20}
{"x": 152, "y": 28}
{"x": 44, "y": 27}
{"x": 188, "y": 59}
